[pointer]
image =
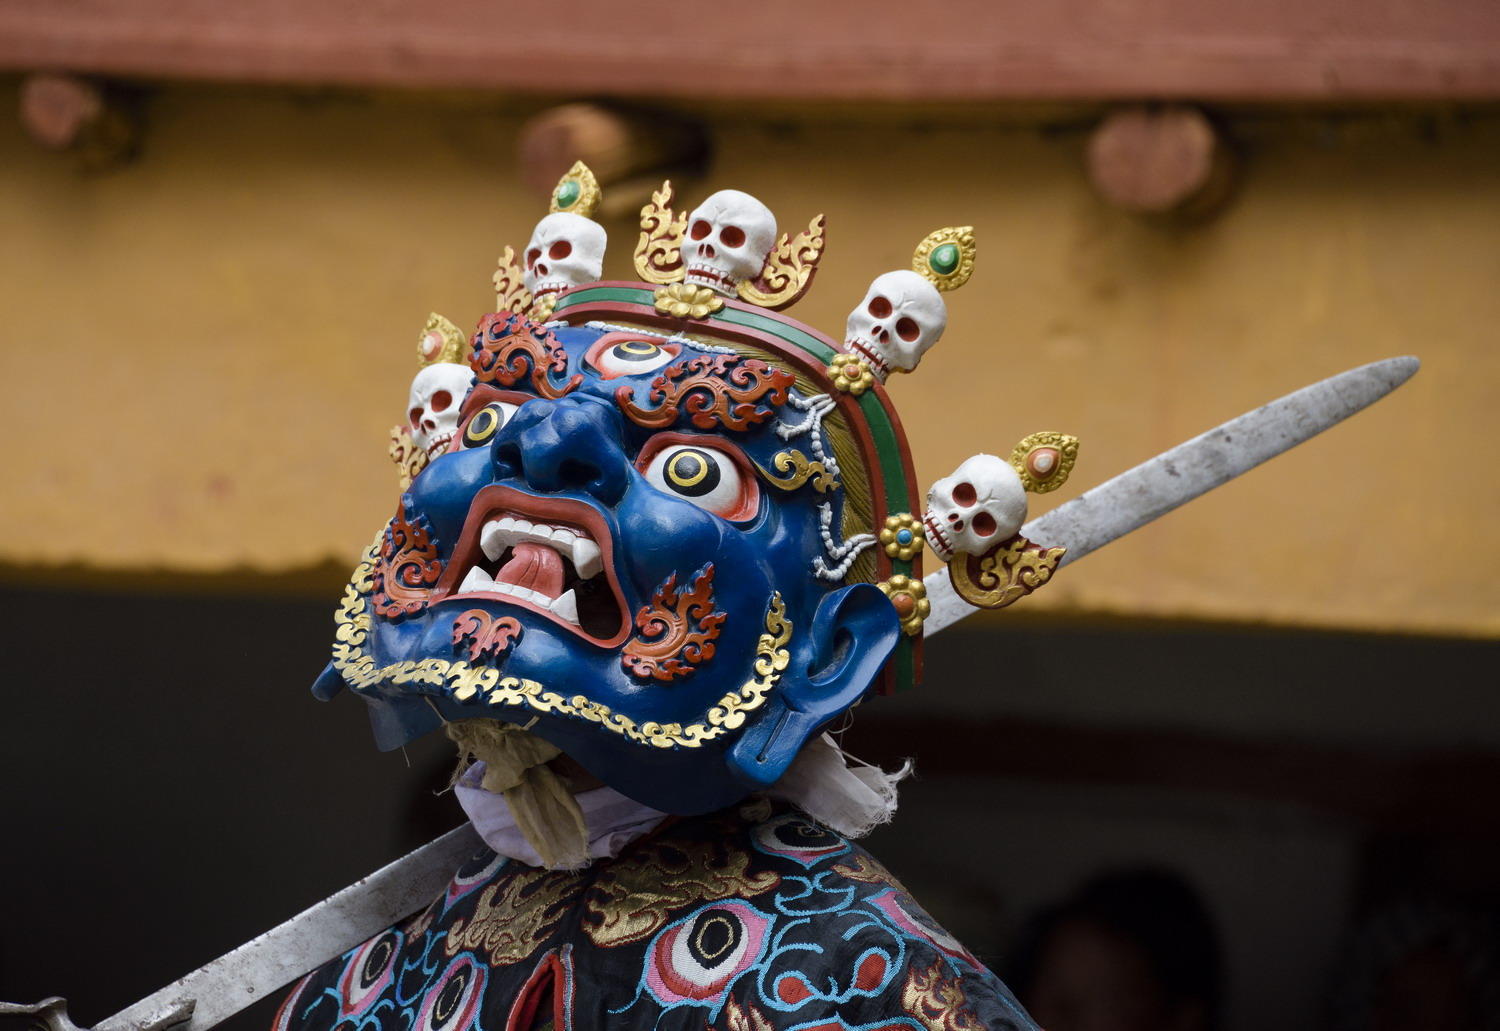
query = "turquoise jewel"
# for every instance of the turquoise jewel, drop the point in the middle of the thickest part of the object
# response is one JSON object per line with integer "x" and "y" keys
{"x": 944, "y": 259}
{"x": 903, "y": 536}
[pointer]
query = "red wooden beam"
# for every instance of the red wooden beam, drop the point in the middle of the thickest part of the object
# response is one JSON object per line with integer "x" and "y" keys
{"x": 788, "y": 50}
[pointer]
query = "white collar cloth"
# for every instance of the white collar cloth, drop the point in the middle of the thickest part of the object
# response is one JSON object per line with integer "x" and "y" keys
{"x": 612, "y": 820}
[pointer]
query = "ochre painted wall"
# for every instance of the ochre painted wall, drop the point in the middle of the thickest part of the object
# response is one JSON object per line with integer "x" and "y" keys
{"x": 203, "y": 350}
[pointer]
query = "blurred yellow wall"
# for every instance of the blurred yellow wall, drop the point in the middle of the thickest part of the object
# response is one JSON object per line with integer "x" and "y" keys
{"x": 203, "y": 350}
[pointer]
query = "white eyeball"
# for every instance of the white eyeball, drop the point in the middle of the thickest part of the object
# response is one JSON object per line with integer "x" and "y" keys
{"x": 485, "y": 423}
{"x": 626, "y": 355}
{"x": 705, "y": 476}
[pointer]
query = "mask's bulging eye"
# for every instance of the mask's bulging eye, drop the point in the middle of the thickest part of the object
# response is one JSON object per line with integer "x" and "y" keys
{"x": 486, "y": 422}
{"x": 704, "y": 476}
{"x": 692, "y": 473}
{"x": 630, "y": 356}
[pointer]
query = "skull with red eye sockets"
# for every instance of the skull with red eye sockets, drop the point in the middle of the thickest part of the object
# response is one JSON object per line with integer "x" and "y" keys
{"x": 703, "y": 471}
{"x": 565, "y": 251}
{"x": 901, "y": 317}
{"x": 727, "y": 240}
{"x": 433, "y": 405}
{"x": 982, "y": 504}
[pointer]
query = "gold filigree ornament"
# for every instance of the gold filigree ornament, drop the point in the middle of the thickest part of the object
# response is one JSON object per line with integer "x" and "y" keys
{"x": 901, "y": 536}
{"x": 541, "y": 308}
{"x": 352, "y": 660}
{"x": 789, "y": 268}
{"x": 577, "y": 192}
{"x": 797, "y": 469}
{"x": 510, "y": 284}
{"x": 936, "y": 1000}
{"x": 946, "y": 257}
{"x": 909, "y": 596}
{"x": 637, "y": 896}
{"x": 513, "y": 916}
{"x": 409, "y": 458}
{"x": 687, "y": 302}
{"x": 441, "y": 341}
{"x": 658, "y": 253}
{"x": 851, "y": 374}
{"x": 1044, "y": 460}
{"x": 1012, "y": 570}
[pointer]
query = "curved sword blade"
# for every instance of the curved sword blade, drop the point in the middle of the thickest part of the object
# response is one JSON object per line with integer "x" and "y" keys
{"x": 332, "y": 927}
{"x": 1155, "y": 487}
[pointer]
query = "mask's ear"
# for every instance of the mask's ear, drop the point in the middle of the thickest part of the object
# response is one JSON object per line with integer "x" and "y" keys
{"x": 853, "y": 633}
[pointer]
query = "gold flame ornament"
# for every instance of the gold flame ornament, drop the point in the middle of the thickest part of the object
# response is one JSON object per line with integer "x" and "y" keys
{"x": 440, "y": 341}
{"x": 1044, "y": 460}
{"x": 1005, "y": 575}
{"x": 789, "y": 268}
{"x": 510, "y": 284}
{"x": 658, "y": 252}
{"x": 945, "y": 257}
{"x": 576, "y": 193}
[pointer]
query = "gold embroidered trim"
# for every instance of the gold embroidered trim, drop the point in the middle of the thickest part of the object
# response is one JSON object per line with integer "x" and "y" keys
{"x": 465, "y": 681}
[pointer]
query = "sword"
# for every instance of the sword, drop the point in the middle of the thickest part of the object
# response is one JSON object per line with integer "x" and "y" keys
{"x": 1088, "y": 522}
{"x": 222, "y": 988}
{"x": 1158, "y": 485}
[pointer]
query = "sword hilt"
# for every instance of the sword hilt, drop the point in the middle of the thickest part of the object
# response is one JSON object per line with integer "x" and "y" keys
{"x": 51, "y": 1014}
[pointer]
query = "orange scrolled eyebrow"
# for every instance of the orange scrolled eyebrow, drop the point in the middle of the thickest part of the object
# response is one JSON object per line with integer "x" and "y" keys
{"x": 509, "y": 348}
{"x": 716, "y": 391}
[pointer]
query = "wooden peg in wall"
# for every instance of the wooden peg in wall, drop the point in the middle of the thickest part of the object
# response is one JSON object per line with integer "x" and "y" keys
{"x": 1160, "y": 160}
{"x": 629, "y": 151}
{"x": 71, "y": 114}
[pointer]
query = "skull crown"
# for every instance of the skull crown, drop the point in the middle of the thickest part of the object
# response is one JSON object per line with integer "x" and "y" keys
{"x": 437, "y": 393}
{"x": 903, "y": 313}
{"x": 901, "y": 317}
{"x": 727, "y": 241}
{"x": 565, "y": 251}
{"x": 981, "y": 505}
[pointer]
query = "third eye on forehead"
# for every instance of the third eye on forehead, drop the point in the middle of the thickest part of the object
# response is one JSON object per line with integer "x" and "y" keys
{"x": 630, "y": 356}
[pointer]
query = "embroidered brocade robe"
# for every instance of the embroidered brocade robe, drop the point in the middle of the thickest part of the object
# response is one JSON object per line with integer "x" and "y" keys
{"x": 745, "y": 920}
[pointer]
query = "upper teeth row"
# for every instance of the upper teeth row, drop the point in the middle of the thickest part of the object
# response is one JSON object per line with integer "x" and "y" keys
{"x": 576, "y": 545}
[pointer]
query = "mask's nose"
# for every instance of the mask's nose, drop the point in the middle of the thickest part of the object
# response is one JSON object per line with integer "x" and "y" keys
{"x": 574, "y": 444}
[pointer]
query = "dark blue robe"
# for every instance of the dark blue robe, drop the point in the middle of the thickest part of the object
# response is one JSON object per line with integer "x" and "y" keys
{"x": 751, "y": 919}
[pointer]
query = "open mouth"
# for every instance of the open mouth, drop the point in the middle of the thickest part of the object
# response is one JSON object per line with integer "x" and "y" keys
{"x": 702, "y": 275}
{"x": 438, "y": 444}
{"x": 936, "y": 537}
{"x": 550, "y": 555}
{"x": 550, "y": 286}
{"x": 868, "y": 352}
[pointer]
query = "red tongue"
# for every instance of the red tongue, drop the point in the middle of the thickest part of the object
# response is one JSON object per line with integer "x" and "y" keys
{"x": 535, "y": 567}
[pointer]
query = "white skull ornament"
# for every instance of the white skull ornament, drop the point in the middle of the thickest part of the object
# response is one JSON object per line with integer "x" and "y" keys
{"x": 901, "y": 316}
{"x": 437, "y": 393}
{"x": 980, "y": 505}
{"x": 727, "y": 239}
{"x": 565, "y": 251}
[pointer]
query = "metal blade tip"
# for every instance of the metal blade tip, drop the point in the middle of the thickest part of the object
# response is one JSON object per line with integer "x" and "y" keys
{"x": 1400, "y": 369}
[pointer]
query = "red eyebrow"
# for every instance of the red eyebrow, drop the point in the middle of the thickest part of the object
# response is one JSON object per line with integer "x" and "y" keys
{"x": 509, "y": 347}
{"x": 727, "y": 390}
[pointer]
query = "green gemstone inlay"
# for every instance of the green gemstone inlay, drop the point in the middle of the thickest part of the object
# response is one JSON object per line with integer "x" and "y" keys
{"x": 944, "y": 259}
{"x": 567, "y": 193}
